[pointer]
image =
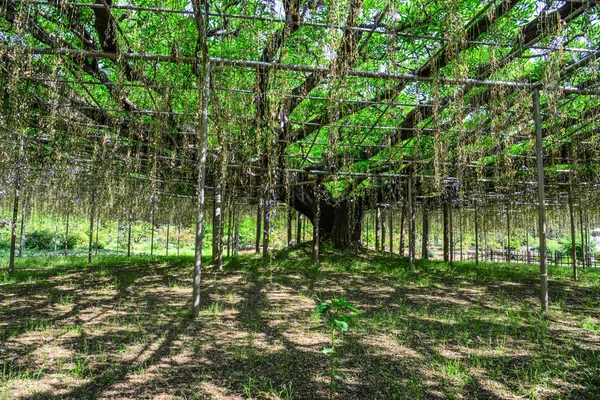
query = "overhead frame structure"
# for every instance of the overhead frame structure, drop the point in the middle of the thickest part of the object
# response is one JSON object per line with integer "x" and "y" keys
{"x": 85, "y": 73}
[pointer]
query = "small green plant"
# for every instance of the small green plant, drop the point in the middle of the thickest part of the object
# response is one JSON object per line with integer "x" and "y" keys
{"x": 336, "y": 318}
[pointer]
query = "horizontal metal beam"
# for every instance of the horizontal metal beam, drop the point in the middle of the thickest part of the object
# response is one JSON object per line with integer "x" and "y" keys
{"x": 381, "y": 31}
{"x": 76, "y": 53}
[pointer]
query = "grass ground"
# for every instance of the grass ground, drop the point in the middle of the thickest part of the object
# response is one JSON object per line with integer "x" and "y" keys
{"x": 122, "y": 329}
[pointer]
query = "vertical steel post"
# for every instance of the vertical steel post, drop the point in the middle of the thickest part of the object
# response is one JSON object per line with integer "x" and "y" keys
{"x": 411, "y": 225}
{"x": 201, "y": 136}
{"x": 541, "y": 199}
{"x": 13, "y": 227}
{"x": 92, "y": 210}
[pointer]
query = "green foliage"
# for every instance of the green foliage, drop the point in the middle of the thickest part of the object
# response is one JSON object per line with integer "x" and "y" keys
{"x": 40, "y": 240}
{"x": 567, "y": 246}
{"x": 74, "y": 240}
{"x": 552, "y": 246}
{"x": 4, "y": 240}
{"x": 336, "y": 317}
{"x": 515, "y": 243}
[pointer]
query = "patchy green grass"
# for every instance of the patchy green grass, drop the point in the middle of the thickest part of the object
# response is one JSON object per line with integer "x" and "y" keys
{"x": 121, "y": 329}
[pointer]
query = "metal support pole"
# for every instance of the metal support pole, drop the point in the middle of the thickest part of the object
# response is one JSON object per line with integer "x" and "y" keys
{"x": 383, "y": 229}
{"x": 460, "y": 231}
{"x": 476, "y": 237}
{"x": 56, "y": 237}
{"x": 129, "y": 238}
{"x": 92, "y": 210}
{"x": 541, "y": 200}
{"x": 582, "y": 234}
{"x": 167, "y": 247}
{"x": 236, "y": 231}
{"x": 229, "y": 227}
{"x": 178, "y": 237}
{"x": 508, "y": 247}
{"x": 527, "y": 245}
{"x": 377, "y": 219}
{"x": 201, "y": 134}
{"x": 451, "y": 232}
{"x": 402, "y": 218}
{"x": 446, "y": 228}
{"x": 22, "y": 231}
{"x": 573, "y": 244}
{"x": 316, "y": 222}
{"x": 298, "y": 228}
{"x": 367, "y": 220}
{"x": 266, "y": 221}
{"x": 258, "y": 225}
{"x": 391, "y": 226}
{"x": 152, "y": 234}
{"x": 217, "y": 233}
{"x": 97, "y": 233}
{"x": 411, "y": 226}
{"x": 67, "y": 236}
{"x": 289, "y": 226}
{"x": 13, "y": 227}
{"x": 425, "y": 231}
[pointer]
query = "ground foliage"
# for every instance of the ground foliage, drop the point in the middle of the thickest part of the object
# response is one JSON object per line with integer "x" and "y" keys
{"x": 122, "y": 329}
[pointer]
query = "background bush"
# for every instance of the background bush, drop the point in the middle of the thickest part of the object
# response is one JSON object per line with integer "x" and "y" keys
{"x": 40, "y": 240}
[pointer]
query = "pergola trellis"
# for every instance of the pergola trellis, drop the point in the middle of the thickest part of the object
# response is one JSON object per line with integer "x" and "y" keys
{"x": 83, "y": 73}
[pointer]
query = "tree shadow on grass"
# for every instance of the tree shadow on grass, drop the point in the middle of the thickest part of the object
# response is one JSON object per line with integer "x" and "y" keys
{"x": 258, "y": 343}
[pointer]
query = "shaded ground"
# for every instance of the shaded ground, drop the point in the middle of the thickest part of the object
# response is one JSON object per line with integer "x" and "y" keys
{"x": 122, "y": 329}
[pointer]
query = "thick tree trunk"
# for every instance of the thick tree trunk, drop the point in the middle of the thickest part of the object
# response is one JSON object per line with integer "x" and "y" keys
{"x": 340, "y": 220}
{"x": 346, "y": 227}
